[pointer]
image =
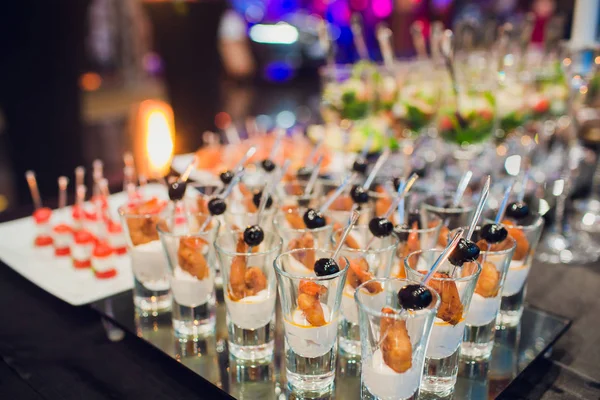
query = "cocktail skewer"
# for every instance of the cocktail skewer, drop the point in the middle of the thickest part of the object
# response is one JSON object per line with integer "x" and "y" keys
{"x": 351, "y": 222}
{"x": 313, "y": 177}
{"x": 356, "y": 25}
{"x": 33, "y": 188}
{"x": 62, "y": 232}
{"x": 375, "y": 170}
{"x": 480, "y": 205}
{"x": 336, "y": 194}
{"x": 384, "y": 37}
{"x": 444, "y": 256}
{"x": 217, "y": 205}
{"x": 326, "y": 44}
{"x": 416, "y": 32}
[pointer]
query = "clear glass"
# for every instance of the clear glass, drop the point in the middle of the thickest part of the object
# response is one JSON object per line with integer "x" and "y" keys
{"x": 478, "y": 341}
{"x": 415, "y": 238}
{"x": 249, "y": 290}
{"x": 286, "y": 223}
{"x": 441, "y": 359}
{"x": 452, "y": 217}
{"x": 237, "y": 219}
{"x": 387, "y": 372}
{"x": 292, "y": 194}
{"x": 192, "y": 261}
{"x": 151, "y": 287}
{"x": 310, "y": 311}
{"x": 527, "y": 235}
{"x": 365, "y": 264}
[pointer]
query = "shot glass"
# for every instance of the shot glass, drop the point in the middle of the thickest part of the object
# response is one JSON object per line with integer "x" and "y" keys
{"x": 290, "y": 226}
{"x": 151, "y": 288}
{"x": 527, "y": 235}
{"x": 387, "y": 331}
{"x": 250, "y": 291}
{"x": 365, "y": 264}
{"x": 421, "y": 232}
{"x": 480, "y": 328}
{"x": 237, "y": 218}
{"x": 310, "y": 309}
{"x": 455, "y": 286}
{"x": 293, "y": 194}
{"x": 191, "y": 260}
{"x": 452, "y": 217}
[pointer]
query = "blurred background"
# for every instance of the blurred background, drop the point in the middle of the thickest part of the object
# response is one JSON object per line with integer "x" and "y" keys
{"x": 80, "y": 78}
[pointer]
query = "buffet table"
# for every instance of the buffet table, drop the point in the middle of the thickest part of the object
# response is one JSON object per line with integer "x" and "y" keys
{"x": 73, "y": 358}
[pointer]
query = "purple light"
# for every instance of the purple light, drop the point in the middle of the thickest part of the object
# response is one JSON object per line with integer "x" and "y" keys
{"x": 381, "y": 8}
{"x": 340, "y": 13}
{"x": 359, "y": 5}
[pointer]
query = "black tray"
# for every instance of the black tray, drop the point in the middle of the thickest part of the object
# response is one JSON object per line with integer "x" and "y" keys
{"x": 515, "y": 349}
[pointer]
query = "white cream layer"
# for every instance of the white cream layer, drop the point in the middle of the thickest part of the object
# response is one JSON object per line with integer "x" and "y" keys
{"x": 515, "y": 278}
{"x": 482, "y": 310}
{"x": 387, "y": 384}
{"x": 348, "y": 305}
{"x": 444, "y": 339}
{"x": 190, "y": 291}
{"x": 82, "y": 252}
{"x": 103, "y": 264}
{"x": 117, "y": 240}
{"x": 150, "y": 266}
{"x": 62, "y": 240}
{"x": 307, "y": 340}
{"x": 252, "y": 312}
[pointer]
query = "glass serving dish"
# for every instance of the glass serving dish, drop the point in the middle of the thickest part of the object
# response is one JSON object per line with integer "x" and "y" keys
{"x": 209, "y": 357}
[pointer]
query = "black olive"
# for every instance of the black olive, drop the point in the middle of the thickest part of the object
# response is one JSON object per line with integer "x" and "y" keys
{"x": 177, "y": 190}
{"x": 493, "y": 233}
{"x": 253, "y": 235}
{"x": 397, "y": 181}
{"x": 304, "y": 173}
{"x": 217, "y": 206}
{"x": 226, "y": 177}
{"x": 381, "y": 227}
{"x": 256, "y": 199}
{"x": 313, "y": 219}
{"x": 360, "y": 166}
{"x": 401, "y": 231}
{"x": 464, "y": 252}
{"x": 414, "y": 297}
{"x": 359, "y": 194}
{"x": 517, "y": 210}
{"x": 268, "y": 165}
{"x": 326, "y": 266}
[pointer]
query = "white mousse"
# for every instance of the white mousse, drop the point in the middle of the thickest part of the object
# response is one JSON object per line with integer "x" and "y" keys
{"x": 307, "y": 340}
{"x": 445, "y": 338}
{"x": 348, "y": 305}
{"x": 515, "y": 278}
{"x": 387, "y": 384}
{"x": 482, "y": 310}
{"x": 103, "y": 264}
{"x": 190, "y": 291}
{"x": 150, "y": 265}
{"x": 252, "y": 312}
{"x": 82, "y": 251}
{"x": 62, "y": 240}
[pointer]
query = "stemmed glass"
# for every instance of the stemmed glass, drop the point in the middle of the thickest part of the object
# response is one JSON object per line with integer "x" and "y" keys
{"x": 563, "y": 244}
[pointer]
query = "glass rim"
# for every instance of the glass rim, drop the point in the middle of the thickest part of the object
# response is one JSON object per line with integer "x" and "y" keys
{"x": 230, "y": 233}
{"x": 458, "y": 279}
{"x": 492, "y": 253}
{"x": 425, "y": 230}
{"x": 394, "y": 244}
{"x": 124, "y": 213}
{"x": 273, "y": 209}
{"x": 454, "y": 210}
{"x": 282, "y": 272}
{"x": 539, "y": 220}
{"x": 278, "y": 225}
{"x": 195, "y": 234}
{"x": 430, "y": 309}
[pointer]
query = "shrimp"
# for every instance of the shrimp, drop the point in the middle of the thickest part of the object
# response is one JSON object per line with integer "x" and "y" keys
{"x": 237, "y": 274}
{"x": 294, "y": 218}
{"x": 359, "y": 273}
{"x": 443, "y": 236}
{"x": 412, "y": 242}
{"x": 309, "y": 304}
{"x": 522, "y": 243}
{"x": 488, "y": 282}
{"x": 190, "y": 257}
{"x": 382, "y": 205}
{"x": 395, "y": 347}
{"x": 202, "y": 205}
{"x": 255, "y": 280}
{"x": 451, "y": 308}
{"x": 250, "y": 206}
{"x": 351, "y": 241}
{"x": 306, "y": 257}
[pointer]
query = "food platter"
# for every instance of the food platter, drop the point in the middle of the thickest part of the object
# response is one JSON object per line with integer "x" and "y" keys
{"x": 57, "y": 275}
